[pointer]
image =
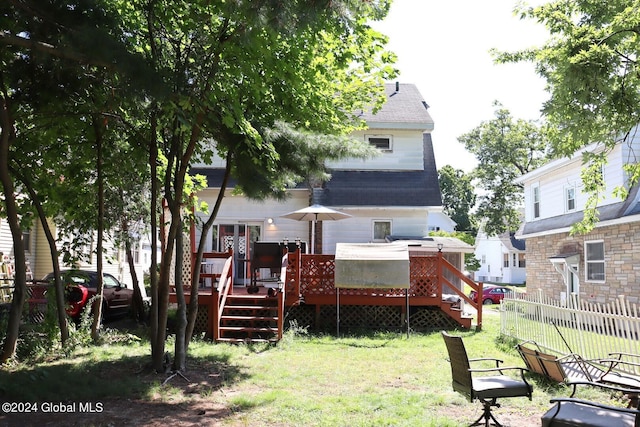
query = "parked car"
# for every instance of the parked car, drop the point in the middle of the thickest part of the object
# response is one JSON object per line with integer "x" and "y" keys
{"x": 491, "y": 294}
{"x": 81, "y": 286}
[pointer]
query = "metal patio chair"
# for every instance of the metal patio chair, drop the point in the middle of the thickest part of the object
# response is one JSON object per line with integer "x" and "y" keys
{"x": 487, "y": 389}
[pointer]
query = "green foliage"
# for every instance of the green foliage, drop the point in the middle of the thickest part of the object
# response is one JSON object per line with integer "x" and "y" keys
{"x": 458, "y": 197}
{"x": 506, "y": 149}
{"x": 471, "y": 263}
{"x": 591, "y": 68}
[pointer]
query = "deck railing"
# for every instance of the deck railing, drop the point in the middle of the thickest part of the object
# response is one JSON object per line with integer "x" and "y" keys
{"x": 310, "y": 278}
{"x": 573, "y": 326}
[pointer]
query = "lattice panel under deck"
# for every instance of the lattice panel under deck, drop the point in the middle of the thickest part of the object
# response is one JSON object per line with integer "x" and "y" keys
{"x": 368, "y": 317}
{"x": 431, "y": 319}
{"x": 202, "y": 319}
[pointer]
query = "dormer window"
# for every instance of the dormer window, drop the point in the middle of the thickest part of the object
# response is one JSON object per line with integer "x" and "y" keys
{"x": 381, "y": 142}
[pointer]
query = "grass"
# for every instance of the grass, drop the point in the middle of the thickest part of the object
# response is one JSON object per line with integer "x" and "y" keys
{"x": 377, "y": 379}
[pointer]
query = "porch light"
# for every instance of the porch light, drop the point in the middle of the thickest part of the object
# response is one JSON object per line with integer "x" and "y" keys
{"x": 440, "y": 246}
{"x": 270, "y": 221}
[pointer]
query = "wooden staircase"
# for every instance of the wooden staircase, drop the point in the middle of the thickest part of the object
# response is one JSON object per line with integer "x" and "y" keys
{"x": 250, "y": 318}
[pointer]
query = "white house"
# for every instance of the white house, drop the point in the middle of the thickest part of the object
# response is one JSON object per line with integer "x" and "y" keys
{"x": 502, "y": 259}
{"x": 395, "y": 194}
{"x": 600, "y": 265}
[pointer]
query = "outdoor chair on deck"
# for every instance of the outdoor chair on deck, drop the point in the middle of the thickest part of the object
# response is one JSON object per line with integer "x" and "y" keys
{"x": 487, "y": 389}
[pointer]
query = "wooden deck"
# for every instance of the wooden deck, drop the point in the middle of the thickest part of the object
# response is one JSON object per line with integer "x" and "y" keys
{"x": 308, "y": 280}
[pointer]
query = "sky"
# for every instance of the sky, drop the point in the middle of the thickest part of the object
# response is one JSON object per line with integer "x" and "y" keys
{"x": 443, "y": 48}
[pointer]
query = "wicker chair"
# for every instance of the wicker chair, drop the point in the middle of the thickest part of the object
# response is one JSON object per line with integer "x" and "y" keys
{"x": 487, "y": 389}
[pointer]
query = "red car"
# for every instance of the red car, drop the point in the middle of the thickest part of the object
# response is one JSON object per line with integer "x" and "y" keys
{"x": 491, "y": 294}
{"x": 81, "y": 286}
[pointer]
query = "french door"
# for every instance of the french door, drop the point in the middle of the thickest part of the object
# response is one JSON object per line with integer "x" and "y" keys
{"x": 240, "y": 238}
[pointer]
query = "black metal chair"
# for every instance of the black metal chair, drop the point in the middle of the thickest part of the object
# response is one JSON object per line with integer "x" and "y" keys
{"x": 487, "y": 389}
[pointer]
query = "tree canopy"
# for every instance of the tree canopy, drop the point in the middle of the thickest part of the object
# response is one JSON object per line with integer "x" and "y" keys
{"x": 506, "y": 148}
{"x": 458, "y": 197}
{"x": 172, "y": 81}
{"x": 590, "y": 63}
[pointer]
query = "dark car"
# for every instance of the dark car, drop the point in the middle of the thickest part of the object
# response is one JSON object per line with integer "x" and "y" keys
{"x": 491, "y": 294}
{"x": 81, "y": 286}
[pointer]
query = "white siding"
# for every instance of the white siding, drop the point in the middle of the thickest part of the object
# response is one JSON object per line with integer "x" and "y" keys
{"x": 407, "y": 152}
{"x": 554, "y": 182}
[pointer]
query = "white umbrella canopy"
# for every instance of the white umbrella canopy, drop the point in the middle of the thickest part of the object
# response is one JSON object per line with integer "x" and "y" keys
{"x": 315, "y": 213}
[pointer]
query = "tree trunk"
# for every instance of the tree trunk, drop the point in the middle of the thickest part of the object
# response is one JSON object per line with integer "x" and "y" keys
{"x": 179, "y": 362}
{"x": 157, "y": 345}
{"x": 53, "y": 251}
{"x": 7, "y": 136}
{"x": 193, "y": 302}
{"x": 98, "y": 304}
{"x": 138, "y": 304}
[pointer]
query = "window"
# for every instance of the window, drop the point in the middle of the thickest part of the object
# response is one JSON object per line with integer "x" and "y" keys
{"x": 594, "y": 260}
{"x": 26, "y": 240}
{"x": 522, "y": 261}
{"x": 382, "y": 142}
{"x": 535, "y": 194}
{"x": 505, "y": 262}
{"x": 381, "y": 229}
{"x": 570, "y": 198}
{"x": 484, "y": 259}
{"x": 515, "y": 259}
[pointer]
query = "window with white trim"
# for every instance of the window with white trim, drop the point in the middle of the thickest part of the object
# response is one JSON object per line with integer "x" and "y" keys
{"x": 505, "y": 261}
{"x": 570, "y": 198}
{"x": 594, "y": 261}
{"x": 381, "y": 229}
{"x": 535, "y": 200}
{"x": 522, "y": 260}
{"x": 381, "y": 142}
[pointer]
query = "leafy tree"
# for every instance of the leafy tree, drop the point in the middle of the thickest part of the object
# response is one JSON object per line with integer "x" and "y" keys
{"x": 458, "y": 197}
{"x": 206, "y": 77}
{"x": 234, "y": 69}
{"x": 506, "y": 148}
{"x": 59, "y": 94}
{"x": 590, "y": 63}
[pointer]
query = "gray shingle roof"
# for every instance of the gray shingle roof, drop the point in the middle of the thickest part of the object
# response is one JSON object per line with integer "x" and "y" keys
{"x": 384, "y": 188}
{"x": 404, "y": 108}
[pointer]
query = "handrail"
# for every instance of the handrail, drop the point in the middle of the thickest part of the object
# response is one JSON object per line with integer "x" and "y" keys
{"x": 225, "y": 284}
{"x": 476, "y": 287}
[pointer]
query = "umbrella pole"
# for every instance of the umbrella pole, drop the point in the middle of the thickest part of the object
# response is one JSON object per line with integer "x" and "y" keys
{"x": 313, "y": 235}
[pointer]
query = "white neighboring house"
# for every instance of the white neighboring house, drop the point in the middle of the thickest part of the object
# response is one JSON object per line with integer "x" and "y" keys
{"x": 598, "y": 266}
{"x": 394, "y": 194}
{"x": 502, "y": 259}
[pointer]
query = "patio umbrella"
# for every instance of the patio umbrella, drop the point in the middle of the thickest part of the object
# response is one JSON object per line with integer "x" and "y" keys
{"x": 315, "y": 213}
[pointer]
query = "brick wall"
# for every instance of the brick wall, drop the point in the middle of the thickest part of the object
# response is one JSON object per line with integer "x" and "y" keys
{"x": 622, "y": 263}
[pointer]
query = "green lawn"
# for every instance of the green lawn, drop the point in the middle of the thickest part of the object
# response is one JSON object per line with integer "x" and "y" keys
{"x": 381, "y": 379}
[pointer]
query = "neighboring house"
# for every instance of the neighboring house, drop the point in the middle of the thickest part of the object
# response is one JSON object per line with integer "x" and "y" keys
{"x": 39, "y": 258}
{"x": 502, "y": 259}
{"x": 394, "y": 194}
{"x": 598, "y": 266}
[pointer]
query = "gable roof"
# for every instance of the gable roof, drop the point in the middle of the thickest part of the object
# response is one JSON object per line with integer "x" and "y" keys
{"x": 418, "y": 188}
{"x": 404, "y": 109}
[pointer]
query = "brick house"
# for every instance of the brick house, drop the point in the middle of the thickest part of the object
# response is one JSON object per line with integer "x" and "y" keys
{"x": 598, "y": 266}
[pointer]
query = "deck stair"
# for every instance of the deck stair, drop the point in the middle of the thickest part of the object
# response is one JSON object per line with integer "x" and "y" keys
{"x": 249, "y": 318}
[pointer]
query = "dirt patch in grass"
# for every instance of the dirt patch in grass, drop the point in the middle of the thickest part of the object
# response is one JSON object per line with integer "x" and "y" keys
{"x": 202, "y": 401}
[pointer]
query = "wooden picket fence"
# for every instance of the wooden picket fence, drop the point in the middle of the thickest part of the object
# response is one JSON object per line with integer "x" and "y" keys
{"x": 573, "y": 326}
